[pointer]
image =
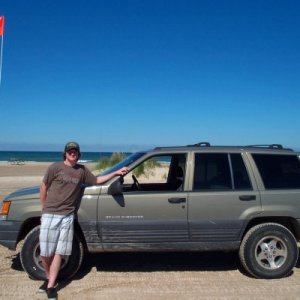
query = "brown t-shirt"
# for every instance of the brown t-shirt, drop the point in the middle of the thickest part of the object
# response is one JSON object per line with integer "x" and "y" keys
{"x": 65, "y": 187}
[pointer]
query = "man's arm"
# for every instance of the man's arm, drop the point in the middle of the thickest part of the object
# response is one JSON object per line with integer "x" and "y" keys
{"x": 104, "y": 178}
{"x": 43, "y": 194}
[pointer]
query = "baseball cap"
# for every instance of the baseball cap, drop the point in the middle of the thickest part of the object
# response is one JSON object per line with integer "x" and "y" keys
{"x": 72, "y": 146}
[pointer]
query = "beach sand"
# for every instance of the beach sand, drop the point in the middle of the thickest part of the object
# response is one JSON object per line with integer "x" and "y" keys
{"x": 14, "y": 177}
{"x": 139, "y": 275}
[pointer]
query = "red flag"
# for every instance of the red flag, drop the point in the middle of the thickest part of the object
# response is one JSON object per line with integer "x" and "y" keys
{"x": 1, "y": 25}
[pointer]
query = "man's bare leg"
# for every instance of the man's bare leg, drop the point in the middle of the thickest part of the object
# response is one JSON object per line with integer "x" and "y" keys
{"x": 46, "y": 261}
{"x": 54, "y": 270}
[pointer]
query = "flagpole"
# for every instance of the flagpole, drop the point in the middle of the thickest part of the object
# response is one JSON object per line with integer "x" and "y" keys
{"x": 1, "y": 50}
{"x": 1, "y": 58}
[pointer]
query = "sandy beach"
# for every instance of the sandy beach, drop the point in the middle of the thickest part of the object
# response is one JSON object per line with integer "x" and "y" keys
{"x": 210, "y": 276}
{"x": 13, "y": 177}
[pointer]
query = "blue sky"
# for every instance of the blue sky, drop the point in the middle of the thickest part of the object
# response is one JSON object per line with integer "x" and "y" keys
{"x": 129, "y": 74}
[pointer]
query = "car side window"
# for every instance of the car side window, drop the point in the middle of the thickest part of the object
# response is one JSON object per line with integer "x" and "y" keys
{"x": 220, "y": 171}
{"x": 212, "y": 172}
{"x": 240, "y": 175}
{"x": 278, "y": 171}
{"x": 158, "y": 173}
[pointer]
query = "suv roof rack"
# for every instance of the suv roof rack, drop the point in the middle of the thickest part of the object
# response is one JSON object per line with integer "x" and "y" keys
{"x": 201, "y": 144}
{"x": 207, "y": 144}
{"x": 271, "y": 146}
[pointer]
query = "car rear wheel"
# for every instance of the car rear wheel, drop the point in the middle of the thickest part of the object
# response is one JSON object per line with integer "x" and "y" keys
{"x": 32, "y": 263}
{"x": 269, "y": 251}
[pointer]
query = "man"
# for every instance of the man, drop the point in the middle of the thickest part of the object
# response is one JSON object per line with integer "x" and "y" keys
{"x": 60, "y": 194}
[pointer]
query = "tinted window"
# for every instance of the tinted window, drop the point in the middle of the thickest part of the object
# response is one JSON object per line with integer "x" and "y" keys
{"x": 278, "y": 171}
{"x": 212, "y": 172}
{"x": 240, "y": 175}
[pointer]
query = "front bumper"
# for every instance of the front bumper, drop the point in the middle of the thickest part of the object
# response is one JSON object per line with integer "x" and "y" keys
{"x": 9, "y": 231}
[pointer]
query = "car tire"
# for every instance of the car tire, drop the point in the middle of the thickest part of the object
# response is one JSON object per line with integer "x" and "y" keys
{"x": 269, "y": 251}
{"x": 32, "y": 263}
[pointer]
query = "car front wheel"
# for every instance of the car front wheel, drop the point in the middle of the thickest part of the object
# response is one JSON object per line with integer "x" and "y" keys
{"x": 32, "y": 263}
{"x": 269, "y": 251}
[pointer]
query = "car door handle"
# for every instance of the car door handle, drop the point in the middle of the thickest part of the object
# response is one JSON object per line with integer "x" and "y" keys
{"x": 247, "y": 197}
{"x": 177, "y": 200}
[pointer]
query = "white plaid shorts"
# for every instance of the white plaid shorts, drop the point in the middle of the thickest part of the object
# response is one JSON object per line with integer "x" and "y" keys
{"x": 56, "y": 234}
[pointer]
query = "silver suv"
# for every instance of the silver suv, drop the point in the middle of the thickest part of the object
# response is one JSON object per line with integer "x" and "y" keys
{"x": 198, "y": 197}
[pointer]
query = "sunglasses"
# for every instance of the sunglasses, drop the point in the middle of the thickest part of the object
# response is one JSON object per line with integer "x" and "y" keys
{"x": 72, "y": 152}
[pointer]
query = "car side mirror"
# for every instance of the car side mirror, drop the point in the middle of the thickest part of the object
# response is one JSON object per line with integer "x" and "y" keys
{"x": 116, "y": 188}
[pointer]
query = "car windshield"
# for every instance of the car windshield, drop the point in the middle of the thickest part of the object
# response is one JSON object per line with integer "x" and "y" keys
{"x": 124, "y": 163}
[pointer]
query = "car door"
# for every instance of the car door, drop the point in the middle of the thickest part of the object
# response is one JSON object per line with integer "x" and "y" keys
{"x": 223, "y": 198}
{"x": 152, "y": 210}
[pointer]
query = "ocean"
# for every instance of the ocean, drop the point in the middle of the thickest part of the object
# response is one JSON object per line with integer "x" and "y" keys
{"x": 44, "y": 156}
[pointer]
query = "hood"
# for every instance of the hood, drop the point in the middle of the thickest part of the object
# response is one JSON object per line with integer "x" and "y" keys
{"x": 24, "y": 193}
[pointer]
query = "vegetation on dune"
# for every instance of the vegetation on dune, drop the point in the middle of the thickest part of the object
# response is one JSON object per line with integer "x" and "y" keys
{"x": 142, "y": 169}
{"x": 107, "y": 162}
{"x": 146, "y": 167}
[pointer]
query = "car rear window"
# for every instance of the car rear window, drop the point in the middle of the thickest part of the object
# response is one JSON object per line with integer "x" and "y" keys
{"x": 278, "y": 171}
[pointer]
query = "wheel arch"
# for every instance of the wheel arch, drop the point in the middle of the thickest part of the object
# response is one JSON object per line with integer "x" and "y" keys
{"x": 27, "y": 226}
{"x": 290, "y": 223}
